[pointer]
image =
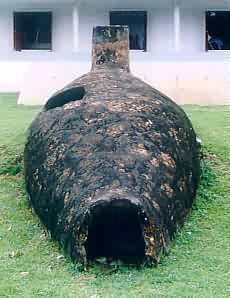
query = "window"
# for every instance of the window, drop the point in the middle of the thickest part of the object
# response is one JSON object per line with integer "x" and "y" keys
{"x": 137, "y": 21}
{"x": 218, "y": 30}
{"x": 32, "y": 31}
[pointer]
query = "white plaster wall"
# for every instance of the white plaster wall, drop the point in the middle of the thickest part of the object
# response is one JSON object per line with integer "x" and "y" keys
{"x": 90, "y": 17}
{"x": 62, "y": 32}
{"x": 59, "y": 74}
{"x": 159, "y": 26}
{"x": 205, "y": 83}
{"x": 160, "y": 30}
{"x": 192, "y": 30}
{"x": 192, "y": 76}
{"x": 187, "y": 82}
{"x": 6, "y": 31}
{"x": 62, "y": 29}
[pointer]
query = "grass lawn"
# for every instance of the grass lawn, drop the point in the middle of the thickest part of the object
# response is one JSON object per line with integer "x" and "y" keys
{"x": 197, "y": 266}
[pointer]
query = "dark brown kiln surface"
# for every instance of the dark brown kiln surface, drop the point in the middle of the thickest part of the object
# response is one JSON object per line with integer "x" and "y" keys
{"x": 123, "y": 141}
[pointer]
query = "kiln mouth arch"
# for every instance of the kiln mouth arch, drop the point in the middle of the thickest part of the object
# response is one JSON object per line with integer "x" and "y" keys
{"x": 115, "y": 232}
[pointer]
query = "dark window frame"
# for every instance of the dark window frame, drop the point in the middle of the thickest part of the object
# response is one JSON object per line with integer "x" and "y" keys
{"x": 18, "y": 36}
{"x": 212, "y": 46}
{"x": 145, "y": 16}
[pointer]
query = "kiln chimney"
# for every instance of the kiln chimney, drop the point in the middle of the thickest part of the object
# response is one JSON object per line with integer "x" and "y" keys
{"x": 110, "y": 47}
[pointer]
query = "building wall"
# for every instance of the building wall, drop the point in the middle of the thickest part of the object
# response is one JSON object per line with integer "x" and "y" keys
{"x": 62, "y": 31}
{"x": 192, "y": 30}
{"x": 192, "y": 76}
{"x": 6, "y": 29}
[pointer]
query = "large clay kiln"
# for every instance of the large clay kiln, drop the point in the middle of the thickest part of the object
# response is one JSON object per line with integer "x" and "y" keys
{"x": 111, "y": 164}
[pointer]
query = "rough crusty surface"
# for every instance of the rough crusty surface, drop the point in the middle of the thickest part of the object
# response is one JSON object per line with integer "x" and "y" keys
{"x": 106, "y": 147}
{"x": 122, "y": 140}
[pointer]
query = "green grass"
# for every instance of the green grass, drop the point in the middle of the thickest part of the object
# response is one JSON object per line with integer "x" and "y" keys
{"x": 197, "y": 265}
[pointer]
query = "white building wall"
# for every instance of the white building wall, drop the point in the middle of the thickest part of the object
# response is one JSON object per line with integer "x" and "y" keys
{"x": 160, "y": 30}
{"x": 62, "y": 30}
{"x": 192, "y": 30}
{"x": 191, "y": 76}
{"x": 90, "y": 17}
{"x": 6, "y": 31}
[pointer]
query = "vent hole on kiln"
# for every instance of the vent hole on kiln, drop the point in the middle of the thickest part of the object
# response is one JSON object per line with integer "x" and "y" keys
{"x": 64, "y": 97}
{"x": 115, "y": 232}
